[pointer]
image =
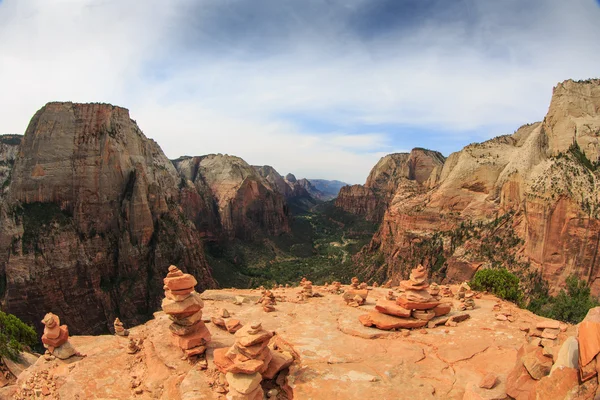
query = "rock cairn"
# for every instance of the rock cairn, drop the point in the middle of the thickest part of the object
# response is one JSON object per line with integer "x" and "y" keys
{"x": 225, "y": 321}
{"x": 119, "y": 328}
{"x": 412, "y": 309}
{"x": 354, "y": 283}
{"x": 387, "y": 285}
{"x": 267, "y": 301}
{"x": 56, "y": 338}
{"x": 446, "y": 291}
{"x": 335, "y": 288}
{"x": 390, "y": 296}
{"x": 249, "y": 361}
{"x": 184, "y": 307}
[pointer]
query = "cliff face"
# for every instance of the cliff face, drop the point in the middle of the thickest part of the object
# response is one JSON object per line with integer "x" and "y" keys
{"x": 91, "y": 221}
{"x": 298, "y": 198}
{"x": 246, "y": 204}
{"x": 528, "y": 201}
{"x": 9, "y": 147}
{"x": 409, "y": 171}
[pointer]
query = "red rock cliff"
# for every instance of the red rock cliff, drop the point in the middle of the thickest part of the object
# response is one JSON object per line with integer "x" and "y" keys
{"x": 91, "y": 221}
{"x": 524, "y": 200}
{"x": 409, "y": 171}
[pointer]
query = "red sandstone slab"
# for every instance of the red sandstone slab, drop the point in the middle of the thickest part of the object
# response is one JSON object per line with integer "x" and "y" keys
{"x": 278, "y": 362}
{"x": 442, "y": 309}
{"x": 222, "y": 362}
{"x": 198, "y": 338}
{"x": 246, "y": 367}
{"x": 412, "y": 305}
{"x": 391, "y": 308}
{"x": 387, "y": 322}
{"x": 183, "y": 282}
{"x": 60, "y": 340}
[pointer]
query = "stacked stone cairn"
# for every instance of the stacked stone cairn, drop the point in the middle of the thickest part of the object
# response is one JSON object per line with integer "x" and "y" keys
{"x": 357, "y": 294}
{"x": 184, "y": 307}
{"x": 390, "y": 296}
{"x": 249, "y": 361}
{"x": 119, "y": 328}
{"x": 412, "y": 309}
{"x": 446, "y": 291}
{"x": 335, "y": 288}
{"x": 224, "y": 321}
{"x": 267, "y": 301}
{"x": 56, "y": 338}
{"x": 466, "y": 297}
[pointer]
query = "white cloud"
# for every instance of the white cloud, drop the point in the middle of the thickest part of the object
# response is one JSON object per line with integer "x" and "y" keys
{"x": 454, "y": 78}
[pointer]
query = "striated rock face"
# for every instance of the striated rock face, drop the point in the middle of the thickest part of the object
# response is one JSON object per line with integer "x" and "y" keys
{"x": 412, "y": 172}
{"x": 294, "y": 191}
{"x": 524, "y": 200}
{"x": 246, "y": 203}
{"x": 91, "y": 221}
{"x": 9, "y": 147}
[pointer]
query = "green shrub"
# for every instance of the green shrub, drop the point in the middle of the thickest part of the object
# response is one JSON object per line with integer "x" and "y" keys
{"x": 498, "y": 281}
{"x": 572, "y": 305}
{"x": 14, "y": 335}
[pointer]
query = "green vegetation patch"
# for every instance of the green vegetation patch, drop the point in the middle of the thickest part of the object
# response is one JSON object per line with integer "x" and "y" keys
{"x": 498, "y": 281}
{"x": 15, "y": 335}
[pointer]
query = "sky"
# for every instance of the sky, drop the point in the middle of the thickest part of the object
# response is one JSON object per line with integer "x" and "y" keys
{"x": 319, "y": 88}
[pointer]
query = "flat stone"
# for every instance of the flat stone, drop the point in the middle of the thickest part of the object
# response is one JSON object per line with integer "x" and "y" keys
{"x": 257, "y": 394}
{"x": 412, "y": 305}
{"x": 252, "y": 351}
{"x": 243, "y": 383}
{"x": 198, "y": 338}
{"x": 537, "y": 364}
{"x": 182, "y": 330}
{"x": 550, "y": 333}
{"x": 425, "y": 315}
{"x": 185, "y": 308}
{"x": 246, "y": 367}
{"x": 233, "y": 325}
{"x": 183, "y": 282}
{"x": 245, "y": 338}
{"x": 391, "y": 308}
{"x": 519, "y": 382}
{"x": 189, "y": 320}
{"x": 279, "y": 361}
{"x": 387, "y": 322}
{"x": 222, "y": 362}
{"x": 219, "y": 322}
{"x": 548, "y": 324}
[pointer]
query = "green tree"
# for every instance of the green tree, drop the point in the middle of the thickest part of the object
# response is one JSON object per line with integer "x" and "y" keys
{"x": 499, "y": 282}
{"x": 14, "y": 336}
{"x": 572, "y": 305}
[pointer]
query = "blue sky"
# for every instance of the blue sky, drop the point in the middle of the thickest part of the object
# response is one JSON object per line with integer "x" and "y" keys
{"x": 320, "y": 88}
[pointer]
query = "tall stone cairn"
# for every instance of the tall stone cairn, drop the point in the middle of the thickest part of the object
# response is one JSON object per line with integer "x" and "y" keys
{"x": 184, "y": 307}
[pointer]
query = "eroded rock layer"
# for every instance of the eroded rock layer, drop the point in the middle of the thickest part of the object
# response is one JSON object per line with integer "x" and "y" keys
{"x": 526, "y": 200}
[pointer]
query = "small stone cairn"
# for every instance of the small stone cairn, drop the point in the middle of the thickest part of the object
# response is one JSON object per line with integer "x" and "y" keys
{"x": 267, "y": 301}
{"x": 249, "y": 361}
{"x": 357, "y": 294}
{"x": 119, "y": 328}
{"x": 184, "y": 307}
{"x": 412, "y": 309}
{"x": 224, "y": 321}
{"x": 56, "y": 338}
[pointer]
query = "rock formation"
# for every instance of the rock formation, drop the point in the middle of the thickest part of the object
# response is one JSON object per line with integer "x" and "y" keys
{"x": 249, "y": 361}
{"x": 412, "y": 309}
{"x": 535, "y": 191}
{"x": 245, "y": 203}
{"x": 119, "y": 328}
{"x": 90, "y": 220}
{"x": 9, "y": 147}
{"x": 56, "y": 338}
{"x": 296, "y": 194}
{"x": 400, "y": 172}
{"x": 184, "y": 307}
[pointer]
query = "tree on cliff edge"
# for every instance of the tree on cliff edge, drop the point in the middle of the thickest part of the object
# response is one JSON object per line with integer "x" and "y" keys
{"x": 14, "y": 336}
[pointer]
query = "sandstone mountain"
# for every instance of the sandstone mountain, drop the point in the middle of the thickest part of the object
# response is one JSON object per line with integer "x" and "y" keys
{"x": 90, "y": 221}
{"x": 297, "y": 196}
{"x": 409, "y": 173}
{"x": 527, "y": 201}
{"x": 244, "y": 202}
